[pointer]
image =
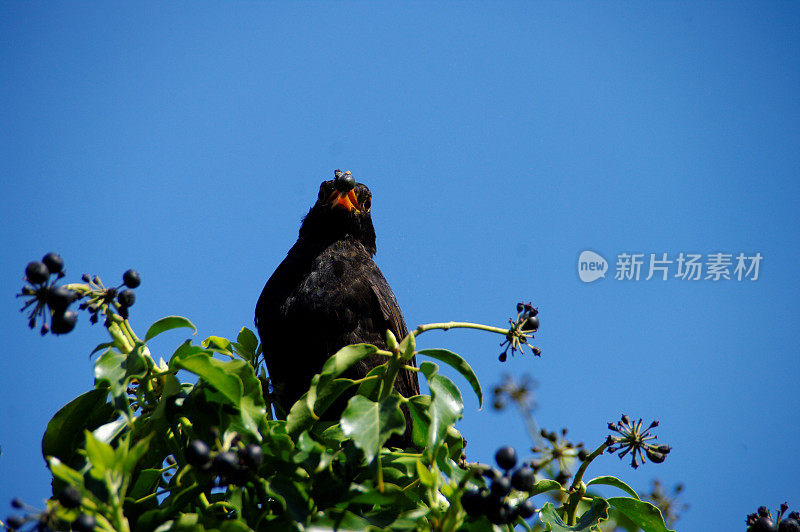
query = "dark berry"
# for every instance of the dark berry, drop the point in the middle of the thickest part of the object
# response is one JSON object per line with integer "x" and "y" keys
{"x": 531, "y": 324}
{"x": 17, "y": 503}
{"x": 520, "y": 307}
{"x": 64, "y": 323}
{"x": 533, "y": 312}
{"x": 59, "y": 298}
{"x": 198, "y": 453}
{"x": 126, "y": 298}
{"x": 789, "y": 525}
{"x": 226, "y": 463}
{"x": 762, "y": 524}
{"x": 498, "y": 513}
{"x": 522, "y": 479}
{"x": 54, "y": 262}
{"x": 526, "y": 509}
{"x": 655, "y": 456}
{"x": 583, "y": 454}
{"x": 344, "y": 182}
{"x": 536, "y": 351}
{"x": 37, "y": 272}
{"x": 251, "y": 455}
{"x": 492, "y": 473}
{"x": 15, "y": 522}
{"x": 84, "y": 523}
{"x": 503, "y": 356}
{"x": 69, "y": 497}
{"x": 500, "y": 487}
{"x": 506, "y": 457}
{"x": 131, "y": 279}
{"x": 472, "y": 503}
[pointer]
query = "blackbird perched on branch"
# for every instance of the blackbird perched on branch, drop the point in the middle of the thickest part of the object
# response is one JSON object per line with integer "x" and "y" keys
{"x": 326, "y": 294}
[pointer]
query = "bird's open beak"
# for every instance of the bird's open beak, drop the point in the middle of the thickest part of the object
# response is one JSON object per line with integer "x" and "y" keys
{"x": 347, "y": 200}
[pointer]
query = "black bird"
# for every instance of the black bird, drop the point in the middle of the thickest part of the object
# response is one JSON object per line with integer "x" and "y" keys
{"x": 326, "y": 294}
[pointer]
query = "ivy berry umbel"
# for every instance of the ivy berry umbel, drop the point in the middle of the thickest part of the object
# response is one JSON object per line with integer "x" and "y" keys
{"x": 522, "y": 328}
{"x": 497, "y": 503}
{"x": 53, "y": 301}
{"x": 761, "y": 520}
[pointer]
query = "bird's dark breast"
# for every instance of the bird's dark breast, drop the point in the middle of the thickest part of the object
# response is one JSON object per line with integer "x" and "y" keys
{"x": 315, "y": 304}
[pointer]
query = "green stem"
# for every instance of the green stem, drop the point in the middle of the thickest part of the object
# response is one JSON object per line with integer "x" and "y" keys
{"x": 457, "y": 325}
{"x": 575, "y": 493}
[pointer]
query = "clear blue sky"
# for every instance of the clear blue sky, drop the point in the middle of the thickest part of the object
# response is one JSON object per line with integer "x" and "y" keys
{"x": 499, "y": 139}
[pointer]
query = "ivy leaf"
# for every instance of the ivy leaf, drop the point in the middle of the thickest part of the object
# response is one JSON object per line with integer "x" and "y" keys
{"x": 418, "y": 407}
{"x": 300, "y": 416}
{"x": 455, "y": 361}
{"x": 446, "y": 404}
{"x": 64, "y": 432}
{"x": 545, "y": 485}
{"x": 590, "y": 519}
{"x": 645, "y": 515}
{"x": 346, "y": 357}
{"x": 370, "y": 424}
{"x": 100, "y": 454}
{"x": 165, "y": 324}
{"x": 617, "y": 483}
{"x": 213, "y": 372}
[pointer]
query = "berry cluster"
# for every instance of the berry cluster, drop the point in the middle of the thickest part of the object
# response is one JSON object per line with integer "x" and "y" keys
{"x": 762, "y": 521}
{"x": 100, "y": 297}
{"x": 634, "y": 440}
{"x": 43, "y": 294}
{"x": 41, "y": 521}
{"x": 494, "y": 502}
{"x": 52, "y": 301}
{"x": 232, "y": 466}
{"x": 522, "y": 328}
{"x": 558, "y": 450}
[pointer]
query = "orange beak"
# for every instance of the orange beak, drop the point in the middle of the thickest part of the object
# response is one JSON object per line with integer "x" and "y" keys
{"x": 347, "y": 200}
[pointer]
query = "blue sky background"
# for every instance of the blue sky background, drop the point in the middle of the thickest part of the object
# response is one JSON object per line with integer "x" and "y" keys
{"x": 499, "y": 140}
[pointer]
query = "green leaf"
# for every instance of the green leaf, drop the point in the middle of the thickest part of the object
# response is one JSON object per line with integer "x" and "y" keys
{"x": 101, "y": 455}
{"x": 64, "y": 433}
{"x": 590, "y": 519}
{"x": 100, "y": 347}
{"x": 407, "y": 347}
{"x": 213, "y": 372}
{"x": 645, "y": 515}
{"x": 63, "y": 472}
{"x": 346, "y": 357}
{"x": 165, "y": 324}
{"x": 146, "y": 482}
{"x": 246, "y": 344}
{"x": 617, "y": 483}
{"x": 545, "y": 485}
{"x": 130, "y": 458}
{"x": 446, "y": 404}
{"x": 459, "y": 364}
{"x": 217, "y": 343}
{"x": 109, "y": 368}
{"x": 418, "y": 407}
{"x": 300, "y": 417}
{"x": 424, "y": 475}
{"x": 370, "y": 424}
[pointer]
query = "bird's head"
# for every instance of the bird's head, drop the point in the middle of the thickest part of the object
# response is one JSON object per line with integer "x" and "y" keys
{"x": 342, "y": 209}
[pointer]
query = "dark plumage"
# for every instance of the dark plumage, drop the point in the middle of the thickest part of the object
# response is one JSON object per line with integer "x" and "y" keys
{"x": 326, "y": 294}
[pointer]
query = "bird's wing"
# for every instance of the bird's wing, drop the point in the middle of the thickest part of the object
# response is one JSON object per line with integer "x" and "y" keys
{"x": 394, "y": 318}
